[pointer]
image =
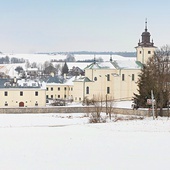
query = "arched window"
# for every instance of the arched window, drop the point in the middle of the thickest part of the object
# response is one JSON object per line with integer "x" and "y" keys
{"x": 87, "y": 90}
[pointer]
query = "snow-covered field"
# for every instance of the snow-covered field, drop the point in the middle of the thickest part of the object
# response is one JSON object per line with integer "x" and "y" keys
{"x": 69, "y": 142}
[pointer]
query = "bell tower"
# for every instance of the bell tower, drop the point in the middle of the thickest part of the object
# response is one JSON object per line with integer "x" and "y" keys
{"x": 145, "y": 48}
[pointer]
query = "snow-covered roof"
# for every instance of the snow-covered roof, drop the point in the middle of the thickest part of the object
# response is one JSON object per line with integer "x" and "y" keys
{"x": 32, "y": 69}
{"x": 82, "y": 79}
{"x": 70, "y": 81}
{"x": 100, "y": 65}
{"x": 27, "y": 83}
{"x": 62, "y": 82}
{"x": 127, "y": 64}
{"x": 55, "y": 79}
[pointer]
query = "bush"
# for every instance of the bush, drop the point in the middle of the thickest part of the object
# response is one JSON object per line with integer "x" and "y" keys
{"x": 96, "y": 118}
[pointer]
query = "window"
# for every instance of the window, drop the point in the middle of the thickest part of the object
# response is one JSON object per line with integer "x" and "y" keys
{"x": 65, "y": 88}
{"x": 140, "y": 52}
{"x": 36, "y": 93}
{"x": 87, "y": 90}
{"x": 108, "y": 90}
{"x": 79, "y": 98}
{"x": 133, "y": 77}
{"x": 58, "y": 96}
{"x": 21, "y": 93}
{"x": 51, "y": 88}
{"x": 95, "y": 79}
{"x": 52, "y": 96}
{"x": 108, "y": 77}
{"x": 46, "y": 96}
{"x": 58, "y": 88}
{"x": 123, "y": 77}
{"x": 47, "y": 88}
{"x": 65, "y": 96}
{"x": 71, "y": 89}
{"x": 36, "y": 103}
{"x": 149, "y": 52}
{"x": 5, "y": 93}
{"x": 6, "y": 104}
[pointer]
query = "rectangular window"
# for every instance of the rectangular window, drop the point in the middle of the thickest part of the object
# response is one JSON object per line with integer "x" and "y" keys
{"x": 65, "y": 88}
{"x": 87, "y": 90}
{"x": 149, "y": 52}
{"x": 108, "y": 77}
{"x": 58, "y": 96}
{"x": 65, "y": 96}
{"x": 133, "y": 77}
{"x": 21, "y": 93}
{"x": 6, "y": 104}
{"x": 108, "y": 90}
{"x": 52, "y": 96}
{"x": 36, "y": 93}
{"x": 47, "y": 88}
{"x": 46, "y": 96}
{"x": 58, "y": 88}
{"x": 140, "y": 52}
{"x": 123, "y": 77}
{"x": 5, "y": 93}
{"x": 51, "y": 88}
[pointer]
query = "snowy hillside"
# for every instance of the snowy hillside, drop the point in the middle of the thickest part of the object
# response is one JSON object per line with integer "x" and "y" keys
{"x": 41, "y": 58}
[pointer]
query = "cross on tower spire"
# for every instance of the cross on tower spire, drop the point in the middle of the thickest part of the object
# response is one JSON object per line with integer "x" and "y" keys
{"x": 146, "y": 29}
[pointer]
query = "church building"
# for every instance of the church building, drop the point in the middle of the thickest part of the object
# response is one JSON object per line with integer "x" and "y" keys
{"x": 115, "y": 79}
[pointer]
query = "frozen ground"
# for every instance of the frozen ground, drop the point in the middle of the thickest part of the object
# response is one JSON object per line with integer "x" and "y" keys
{"x": 68, "y": 142}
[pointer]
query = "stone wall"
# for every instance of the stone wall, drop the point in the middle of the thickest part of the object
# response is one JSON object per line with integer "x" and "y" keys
{"x": 63, "y": 109}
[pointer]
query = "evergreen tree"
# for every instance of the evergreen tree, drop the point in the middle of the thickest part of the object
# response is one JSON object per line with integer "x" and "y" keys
{"x": 65, "y": 69}
{"x": 155, "y": 76}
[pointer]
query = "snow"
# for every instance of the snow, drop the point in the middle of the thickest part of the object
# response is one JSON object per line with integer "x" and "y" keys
{"x": 127, "y": 64}
{"x": 41, "y": 58}
{"x": 123, "y": 104}
{"x": 67, "y": 141}
{"x": 9, "y": 69}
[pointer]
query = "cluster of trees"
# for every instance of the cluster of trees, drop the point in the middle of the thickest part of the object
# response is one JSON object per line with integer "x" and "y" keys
{"x": 46, "y": 67}
{"x": 155, "y": 76}
{"x": 7, "y": 60}
{"x": 69, "y": 58}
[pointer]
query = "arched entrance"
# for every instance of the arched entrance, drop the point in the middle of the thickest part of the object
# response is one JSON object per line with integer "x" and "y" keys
{"x": 21, "y": 104}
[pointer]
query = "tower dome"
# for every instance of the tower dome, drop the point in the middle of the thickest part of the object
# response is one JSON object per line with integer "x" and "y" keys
{"x": 146, "y": 38}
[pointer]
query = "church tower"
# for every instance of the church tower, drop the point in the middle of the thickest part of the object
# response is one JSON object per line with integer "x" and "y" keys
{"x": 145, "y": 48}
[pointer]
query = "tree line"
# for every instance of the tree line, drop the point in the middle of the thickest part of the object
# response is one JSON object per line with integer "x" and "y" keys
{"x": 7, "y": 60}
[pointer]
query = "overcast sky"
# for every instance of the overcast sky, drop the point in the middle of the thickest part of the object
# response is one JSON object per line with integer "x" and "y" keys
{"x": 28, "y": 26}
